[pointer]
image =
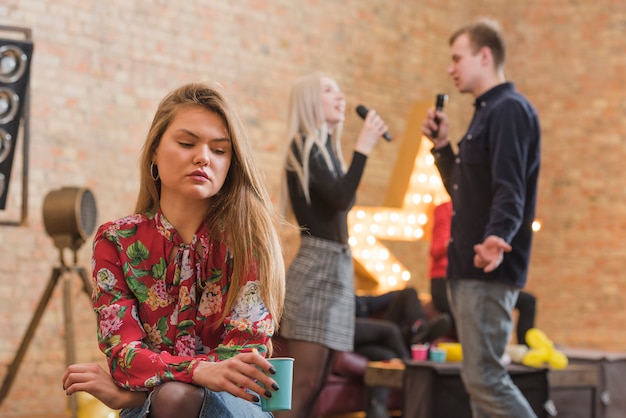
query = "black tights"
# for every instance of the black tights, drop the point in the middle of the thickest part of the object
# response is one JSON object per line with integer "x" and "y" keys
{"x": 176, "y": 400}
{"x": 379, "y": 339}
{"x": 310, "y": 370}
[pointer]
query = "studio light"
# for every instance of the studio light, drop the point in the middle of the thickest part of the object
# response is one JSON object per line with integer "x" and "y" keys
{"x": 15, "y": 58}
{"x": 69, "y": 216}
{"x": 13, "y": 63}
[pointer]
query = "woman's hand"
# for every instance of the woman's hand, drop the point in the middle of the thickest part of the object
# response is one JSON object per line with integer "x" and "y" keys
{"x": 373, "y": 128}
{"x": 93, "y": 379}
{"x": 235, "y": 375}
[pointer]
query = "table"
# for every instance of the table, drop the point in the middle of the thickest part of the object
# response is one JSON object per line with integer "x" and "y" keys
{"x": 575, "y": 377}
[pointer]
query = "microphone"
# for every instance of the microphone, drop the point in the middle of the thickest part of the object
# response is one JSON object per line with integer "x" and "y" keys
{"x": 362, "y": 112}
{"x": 439, "y": 102}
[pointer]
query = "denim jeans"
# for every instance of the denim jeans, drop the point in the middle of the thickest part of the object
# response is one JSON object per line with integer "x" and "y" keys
{"x": 216, "y": 404}
{"x": 482, "y": 312}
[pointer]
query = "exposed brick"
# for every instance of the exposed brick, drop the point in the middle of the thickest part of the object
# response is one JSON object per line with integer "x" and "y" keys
{"x": 100, "y": 68}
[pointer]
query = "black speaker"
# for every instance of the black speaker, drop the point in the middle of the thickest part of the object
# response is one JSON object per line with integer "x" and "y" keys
{"x": 15, "y": 58}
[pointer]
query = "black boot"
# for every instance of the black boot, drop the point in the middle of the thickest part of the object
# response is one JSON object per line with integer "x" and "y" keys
{"x": 430, "y": 330}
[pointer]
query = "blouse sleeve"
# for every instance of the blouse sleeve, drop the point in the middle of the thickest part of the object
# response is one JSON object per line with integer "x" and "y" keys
{"x": 337, "y": 190}
{"x": 249, "y": 326}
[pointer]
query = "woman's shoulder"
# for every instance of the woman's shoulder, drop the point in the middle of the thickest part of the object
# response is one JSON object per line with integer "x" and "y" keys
{"x": 124, "y": 227}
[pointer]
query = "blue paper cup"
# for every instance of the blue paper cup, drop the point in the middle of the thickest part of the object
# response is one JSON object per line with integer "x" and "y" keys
{"x": 437, "y": 355}
{"x": 281, "y": 399}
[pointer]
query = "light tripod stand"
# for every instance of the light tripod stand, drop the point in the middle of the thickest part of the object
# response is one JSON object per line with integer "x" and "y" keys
{"x": 65, "y": 274}
{"x": 69, "y": 215}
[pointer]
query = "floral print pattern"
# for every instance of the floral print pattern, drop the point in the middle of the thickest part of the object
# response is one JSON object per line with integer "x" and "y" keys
{"x": 158, "y": 319}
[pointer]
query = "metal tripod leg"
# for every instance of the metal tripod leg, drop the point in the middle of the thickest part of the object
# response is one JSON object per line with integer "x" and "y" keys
{"x": 70, "y": 347}
{"x": 70, "y": 341}
{"x": 19, "y": 356}
{"x": 70, "y": 344}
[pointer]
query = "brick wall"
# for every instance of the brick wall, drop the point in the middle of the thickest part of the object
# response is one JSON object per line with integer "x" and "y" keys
{"x": 100, "y": 68}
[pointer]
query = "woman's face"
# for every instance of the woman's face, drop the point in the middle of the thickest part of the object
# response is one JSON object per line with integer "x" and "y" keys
{"x": 193, "y": 156}
{"x": 333, "y": 103}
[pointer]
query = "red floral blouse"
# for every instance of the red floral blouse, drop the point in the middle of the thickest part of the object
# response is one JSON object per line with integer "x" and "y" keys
{"x": 158, "y": 301}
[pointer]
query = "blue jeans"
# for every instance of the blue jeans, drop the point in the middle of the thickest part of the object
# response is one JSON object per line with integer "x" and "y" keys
{"x": 215, "y": 405}
{"x": 482, "y": 312}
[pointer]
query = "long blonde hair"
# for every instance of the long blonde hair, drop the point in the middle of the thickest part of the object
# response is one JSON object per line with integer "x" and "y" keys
{"x": 242, "y": 207}
{"x": 306, "y": 127}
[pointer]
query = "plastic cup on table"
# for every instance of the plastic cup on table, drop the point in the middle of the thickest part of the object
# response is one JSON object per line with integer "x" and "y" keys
{"x": 419, "y": 352}
{"x": 281, "y": 399}
{"x": 437, "y": 355}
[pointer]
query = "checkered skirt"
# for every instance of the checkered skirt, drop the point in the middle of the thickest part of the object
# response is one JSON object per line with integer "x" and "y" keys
{"x": 319, "y": 301}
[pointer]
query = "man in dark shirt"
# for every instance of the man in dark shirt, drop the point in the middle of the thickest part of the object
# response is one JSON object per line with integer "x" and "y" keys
{"x": 493, "y": 185}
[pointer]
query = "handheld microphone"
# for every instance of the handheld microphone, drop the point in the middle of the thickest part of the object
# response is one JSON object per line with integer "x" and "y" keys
{"x": 362, "y": 112}
{"x": 439, "y": 102}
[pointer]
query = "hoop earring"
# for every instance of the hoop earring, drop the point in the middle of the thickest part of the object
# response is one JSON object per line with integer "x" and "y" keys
{"x": 152, "y": 171}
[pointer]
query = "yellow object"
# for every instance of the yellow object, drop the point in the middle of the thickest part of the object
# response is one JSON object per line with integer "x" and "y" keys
{"x": 558, "y": 360}
{"x": 542, "y": 351}
{"x": 535, "y": 357}
{"x": 454, "y": 351}
{"x": 91, "y": 407}
{"x": 536, "y": 338}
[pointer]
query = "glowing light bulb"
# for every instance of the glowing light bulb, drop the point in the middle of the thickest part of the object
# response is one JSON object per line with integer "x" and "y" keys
{"x": 536, "y": 226}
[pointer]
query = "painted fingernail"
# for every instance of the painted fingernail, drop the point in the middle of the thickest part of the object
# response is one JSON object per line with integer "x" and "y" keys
{"x": 255, "y": 398}
{"x": 272, "y": 370}
{"x": 275, "y": 386}
{"x": 268, "y": 394}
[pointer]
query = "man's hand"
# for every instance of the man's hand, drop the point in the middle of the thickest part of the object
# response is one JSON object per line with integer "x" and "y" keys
{"x": 490, "y": 253}
{"x": 430, "y": 125}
